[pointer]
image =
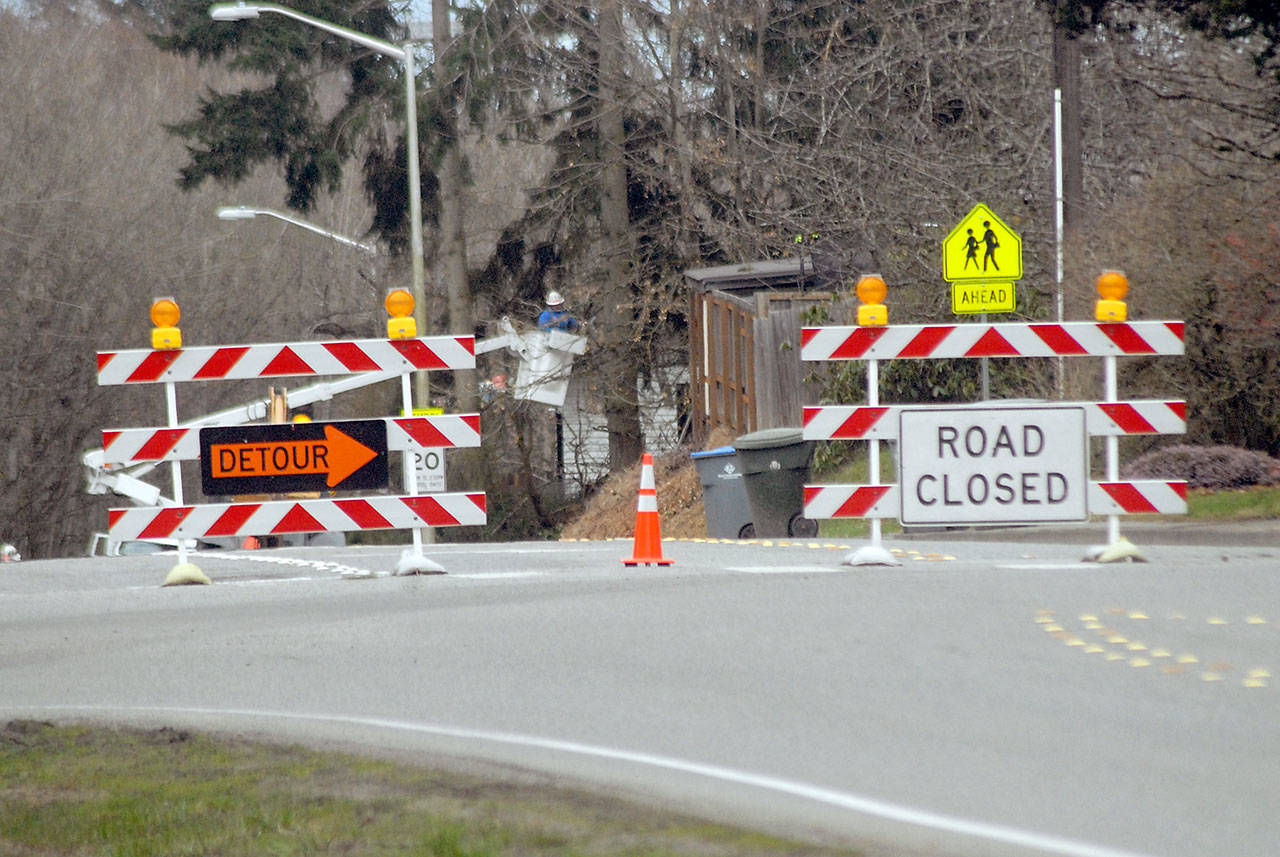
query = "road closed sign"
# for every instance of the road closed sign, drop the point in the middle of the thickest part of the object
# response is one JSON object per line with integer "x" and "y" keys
{"x": 1024, "y": 465}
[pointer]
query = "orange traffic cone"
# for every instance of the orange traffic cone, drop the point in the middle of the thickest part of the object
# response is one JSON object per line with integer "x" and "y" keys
{"x": 250, "y": 544}
{"x": 648, "y": 539}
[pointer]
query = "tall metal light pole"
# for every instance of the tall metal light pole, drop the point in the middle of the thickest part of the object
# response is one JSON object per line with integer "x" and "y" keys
{"x": 245, "y": 212}
{"x": 245, "y": 11}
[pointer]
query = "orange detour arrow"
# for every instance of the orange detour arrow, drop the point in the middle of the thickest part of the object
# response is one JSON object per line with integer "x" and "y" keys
{"x": 647, "y": 546}
{"x": 348, "y": 455}
{"x": 337, "y": 456}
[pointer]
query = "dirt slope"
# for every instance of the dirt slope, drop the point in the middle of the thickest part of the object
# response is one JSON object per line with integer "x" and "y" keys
{"x": 611, "y": 511}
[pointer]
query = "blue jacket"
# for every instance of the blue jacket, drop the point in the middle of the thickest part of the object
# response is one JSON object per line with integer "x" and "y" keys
{"x": 556, "y": 319}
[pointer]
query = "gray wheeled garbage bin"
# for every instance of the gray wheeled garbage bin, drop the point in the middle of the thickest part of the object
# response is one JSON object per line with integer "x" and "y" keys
{"x": 724, "y": 500}
{"x": 775, "y": 465}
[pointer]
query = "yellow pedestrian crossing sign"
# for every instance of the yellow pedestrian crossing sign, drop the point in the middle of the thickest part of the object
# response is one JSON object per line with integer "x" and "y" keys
{"x": 982, "y": 248}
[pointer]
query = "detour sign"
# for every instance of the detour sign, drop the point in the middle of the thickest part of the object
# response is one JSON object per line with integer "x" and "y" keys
{"x": 281, "y": 458}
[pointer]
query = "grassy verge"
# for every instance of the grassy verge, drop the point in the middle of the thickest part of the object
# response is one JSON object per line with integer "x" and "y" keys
{"x": 854, "y": 528}
{"x": 1245, "y": 504}
{"x": 123, "y": 793}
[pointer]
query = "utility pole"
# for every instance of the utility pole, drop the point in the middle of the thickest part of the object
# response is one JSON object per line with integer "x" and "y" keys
{"x": 453, "y": 238}
{"x": 1071, "y": 21}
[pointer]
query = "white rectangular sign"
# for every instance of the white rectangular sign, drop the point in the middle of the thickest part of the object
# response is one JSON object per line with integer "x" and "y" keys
{"x": 998, "y": 465}
{"x": 429, "y": 462}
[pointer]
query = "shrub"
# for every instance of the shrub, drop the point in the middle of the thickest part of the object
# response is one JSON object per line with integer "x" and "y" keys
{"x": 1214, "y": 467}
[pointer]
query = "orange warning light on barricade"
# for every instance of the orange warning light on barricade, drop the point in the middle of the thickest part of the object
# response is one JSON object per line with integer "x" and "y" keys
{"x": 871, "y": 291}
{"x": 1112, "y": 288}
{"x": 165, "y": 315}
{"x": 401, "y": 325}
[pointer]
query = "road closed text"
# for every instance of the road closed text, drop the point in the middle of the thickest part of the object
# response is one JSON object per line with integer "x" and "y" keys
{"x": 994, "y": 465}
{"x": 1003, "y": 487}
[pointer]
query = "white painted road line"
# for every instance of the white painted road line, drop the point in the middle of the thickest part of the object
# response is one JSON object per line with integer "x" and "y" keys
{"x": 349, "y": 572}
{"x": 496, "y": 575}
{"x": 786, "y": 569}
{"x": 318, "y": 565}
{"x": 1053, "y": 566}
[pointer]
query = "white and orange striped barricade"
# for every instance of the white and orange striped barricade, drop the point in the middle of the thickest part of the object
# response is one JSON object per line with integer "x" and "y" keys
{"x": 276, "y": 517}
{"x": 1110, "y": 418}
{"x": 1102, "y": 419}
{"x": 1136, "y": 497}
{"x": 292, "y": 359}
{"x": 170, "y": 363}
{"x": 1002, "y": 339}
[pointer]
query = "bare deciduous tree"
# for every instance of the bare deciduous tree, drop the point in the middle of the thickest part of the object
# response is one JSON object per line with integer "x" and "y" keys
{"x": 92, "y": 228}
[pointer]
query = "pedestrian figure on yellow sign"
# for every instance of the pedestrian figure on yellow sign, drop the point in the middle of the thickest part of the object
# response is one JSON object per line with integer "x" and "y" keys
{"x": 989, "y": 239}
{"x": 970, "y": 250}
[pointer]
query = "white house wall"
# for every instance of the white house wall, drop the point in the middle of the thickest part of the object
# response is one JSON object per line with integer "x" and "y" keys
{"x": 586, "y": 436}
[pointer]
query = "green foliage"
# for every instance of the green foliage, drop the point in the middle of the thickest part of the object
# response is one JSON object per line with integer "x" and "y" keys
{"x": 815, "y": 315}
{"x": 1228, "y": 293}
{"x": 499, "y": 64}
{"x": 1253, "y": 24}
{"x": 1077, "y": 17}
{"x": 904, "y": 382}
{"x": 280, "y": 120}
{"x": 930, "y": 381}
{"x": 235, "y": 132}
{"x": 1257, "y": 21}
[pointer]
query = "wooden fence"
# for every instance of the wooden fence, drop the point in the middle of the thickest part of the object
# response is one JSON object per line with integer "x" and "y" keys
{"x": 744, "y": 359}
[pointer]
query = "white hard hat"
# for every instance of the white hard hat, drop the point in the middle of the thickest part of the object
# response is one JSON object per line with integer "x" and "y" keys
{"x": 554, "y": 299}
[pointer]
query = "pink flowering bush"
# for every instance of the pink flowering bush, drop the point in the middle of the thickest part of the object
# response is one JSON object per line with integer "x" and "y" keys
{"x": 1212, "y": 467}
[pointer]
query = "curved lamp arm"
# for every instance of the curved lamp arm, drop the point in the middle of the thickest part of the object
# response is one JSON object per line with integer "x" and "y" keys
{"x": 245, "y": 11}
{"x": 244, "y": 212}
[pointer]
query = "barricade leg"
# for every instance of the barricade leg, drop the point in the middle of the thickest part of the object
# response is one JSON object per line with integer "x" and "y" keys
{"x": 1117, "y": 548}
{"x": 412, "y": 560}
{"x": 185, "y": 572}
{"x": 874, "y": 553}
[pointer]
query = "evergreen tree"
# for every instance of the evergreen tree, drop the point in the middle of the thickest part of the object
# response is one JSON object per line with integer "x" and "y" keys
{"x": 280, "y": 120}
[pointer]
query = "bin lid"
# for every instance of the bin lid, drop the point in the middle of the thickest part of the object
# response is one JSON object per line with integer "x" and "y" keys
{"x": 770, "y": 438}
{"x": 710, "y": 453}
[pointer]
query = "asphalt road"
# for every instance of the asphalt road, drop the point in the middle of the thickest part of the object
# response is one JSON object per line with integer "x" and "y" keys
{"x": 985, "y": 697}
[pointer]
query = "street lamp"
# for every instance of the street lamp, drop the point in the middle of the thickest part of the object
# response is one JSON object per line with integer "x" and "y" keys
{"x": 245, "y": 11}
{"x": 244, "y": 212}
